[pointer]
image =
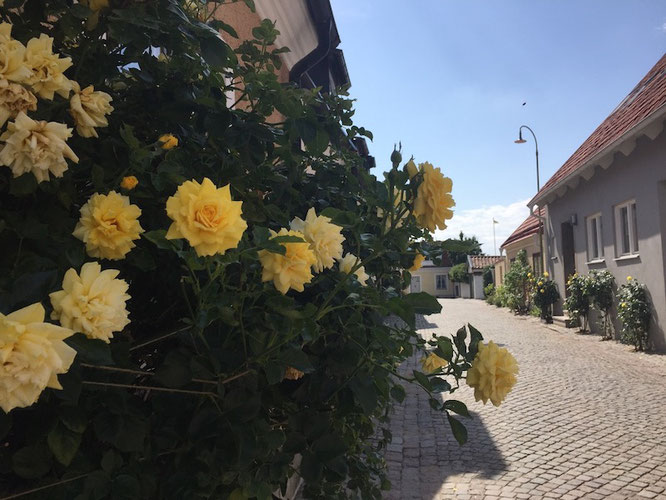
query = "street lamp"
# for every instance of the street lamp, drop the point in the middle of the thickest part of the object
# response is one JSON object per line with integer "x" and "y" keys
{"x": 520, "y": 140}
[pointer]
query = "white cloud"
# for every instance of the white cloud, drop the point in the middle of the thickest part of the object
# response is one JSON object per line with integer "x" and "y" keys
{"x": 479, "y": 222}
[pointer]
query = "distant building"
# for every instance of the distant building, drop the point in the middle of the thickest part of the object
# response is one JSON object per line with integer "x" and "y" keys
{"x": 476, "y": 265}
{"x": 433, "y": 279}
{"x": 525, "y": 237}
{"x": 605, "y": 208}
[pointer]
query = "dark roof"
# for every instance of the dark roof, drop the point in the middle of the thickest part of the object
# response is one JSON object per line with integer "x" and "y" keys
{"x": 646, "y": 98}
{"x": 483, "y": 261}
{"x": 527, "y": 228}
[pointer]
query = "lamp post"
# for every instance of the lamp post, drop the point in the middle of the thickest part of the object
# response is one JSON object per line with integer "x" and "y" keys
{"x": 520, "y": 140}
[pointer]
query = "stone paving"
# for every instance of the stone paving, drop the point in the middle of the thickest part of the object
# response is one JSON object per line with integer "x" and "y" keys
{"x": 587, "y": 419}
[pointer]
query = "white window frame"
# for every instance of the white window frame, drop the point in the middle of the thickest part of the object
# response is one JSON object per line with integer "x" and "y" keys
{"x": 446, "y": 282}
{"x": 594, "y": 222}
{"x": 412, "y": 288}
{"x": 632, "y": 230}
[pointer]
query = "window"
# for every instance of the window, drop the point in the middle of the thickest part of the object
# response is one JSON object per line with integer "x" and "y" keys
{"x": 415, "y": 286}
{"x": 626, "y": 234}
{"x": 595, "y": 246}
{"x": 441, "y": 282}
{"x": 536, "y": 263}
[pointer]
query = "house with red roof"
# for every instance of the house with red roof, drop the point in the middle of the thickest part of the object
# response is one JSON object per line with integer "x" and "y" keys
{"x": 605, "y": 208}
{"x": 476, "y": 266}
{"x": 525, "y": 237}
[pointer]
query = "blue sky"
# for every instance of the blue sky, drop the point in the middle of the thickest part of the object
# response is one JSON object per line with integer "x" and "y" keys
{"x": 449, "y": 79}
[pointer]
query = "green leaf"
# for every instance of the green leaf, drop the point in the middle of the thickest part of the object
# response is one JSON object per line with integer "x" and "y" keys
{"x": 423, "y": 380}
{"x": 175, "y": 371}
{"x": 439, "y": 385}
{"x": 311, "y": 467}
{"x": 74, "y": 418}
{"x": 444, "y": 348}
{"x": 398, "y": 393}
{"x": 215, "y": 51}
{"x": 296, "y": 358}
{"x": 93, "y": 351}
{"x": 423, "y": 303}
{"x": 125, "y": 486}
{"x": 458, "y": 429}
{"x": 158, "y": 238}
{"x": 288, "y": 239}
{"x": 274, "y": 372}
{"x": 31, "y": 462}
{"x": 63, "y": 443}
{"x": 328, "y": 447}
{"x": 23, "y": 185}
{"x": 457, "y": 407}
{"x": 366, "y": 395}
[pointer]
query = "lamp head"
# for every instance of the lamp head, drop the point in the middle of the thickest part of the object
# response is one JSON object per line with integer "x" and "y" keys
{"x": 520, "y": 139}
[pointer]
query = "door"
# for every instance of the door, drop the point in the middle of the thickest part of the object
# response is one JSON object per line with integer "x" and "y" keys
{"x": 568, "y": 254}
{"x": 415, "y": 286}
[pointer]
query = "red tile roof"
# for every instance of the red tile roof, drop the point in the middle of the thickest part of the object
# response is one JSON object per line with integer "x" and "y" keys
{"x": 528, "y": 227}
{"x": 646, "y": 98}
{"x": 483, "y": 261}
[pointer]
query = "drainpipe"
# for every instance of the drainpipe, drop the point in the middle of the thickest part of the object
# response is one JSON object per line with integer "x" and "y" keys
{"x": 321, "y": 52}
{"x": 541, "y": 219}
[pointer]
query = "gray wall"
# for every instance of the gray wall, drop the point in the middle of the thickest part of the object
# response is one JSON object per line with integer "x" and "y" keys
{"x": 640, "y": 176}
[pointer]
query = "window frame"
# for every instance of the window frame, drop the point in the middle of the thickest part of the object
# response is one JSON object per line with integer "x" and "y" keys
{"x": 595, "y": 220}
{"x": 446, "y": 281}
{"x": 630, "y": 238}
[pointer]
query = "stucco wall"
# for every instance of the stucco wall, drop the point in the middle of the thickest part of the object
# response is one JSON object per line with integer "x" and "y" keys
{"x": 640, "y": 176}
{"x": 428, "y": 280}
{"x": 477, "y": 283}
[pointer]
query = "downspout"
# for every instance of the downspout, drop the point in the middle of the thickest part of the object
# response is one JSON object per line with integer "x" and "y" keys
{"x": 321, "y": 52}
{"x": 541, "y": 225}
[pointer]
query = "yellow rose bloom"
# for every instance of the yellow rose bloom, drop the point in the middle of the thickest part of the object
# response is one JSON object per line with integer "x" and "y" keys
{"x": 347, "y": 263}
{"x": 411, "y": 168}
{"x": 89, "y": 109}
{"x": 92, "y": 303}
{"x": 12, "y": 57}
{"x": 206, "y": 217}
{"x": 291, "y": 270}
{"x": 47, "y": 68}
{"x": 432, "y": 363}
{"x": 168, "y": 141}
{"x": 433, "y": 203}
{"x": 37, "y": 147}
{"x": 629, "y": 278}
{"x": 292, "y": 373}
{"x": 325, "y": 238}
{"x": 542, "y": 291}
{"x": 418, "y": 262}
{"x": 32, "y": 354}
{"x": 493, "y": 373}
{"x": 129, "y": 182}
{"x": 108, "y": 226}
{"x": 546, "y": 274}
{"x": 540, "y": 283}
{"x": 529, "y": 275}
{"x": 14, "y": 99}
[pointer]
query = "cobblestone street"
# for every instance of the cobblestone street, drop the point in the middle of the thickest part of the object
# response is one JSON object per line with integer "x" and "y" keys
{"x": 587, "y": 419}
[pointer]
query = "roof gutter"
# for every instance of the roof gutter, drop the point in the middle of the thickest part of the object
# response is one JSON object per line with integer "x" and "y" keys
{"x": 632, "y": 133}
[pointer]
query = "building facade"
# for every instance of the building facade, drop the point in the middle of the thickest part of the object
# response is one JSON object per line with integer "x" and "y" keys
{"x": 605, "y": 208}
{"x": 525, "y": 237}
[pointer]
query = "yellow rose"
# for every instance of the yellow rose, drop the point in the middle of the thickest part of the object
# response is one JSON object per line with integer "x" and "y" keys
{"x": 95, "y": 5}
{"x": 325, "y": 238}
{"x": 540, "y": 283}
{"x": 433, "y": 199}
{"x": 129, "y": 182}
{"x": 38, "y": 147}
{"x": 12, "y": 57}
{"x": 108, "y": 226}
{"x": 47, "y": 68}
{"x": 14, "y": 99}
{"x": 292, "y": 373}
{"x": 529, "y": 275}
{"x": 89, "y": 109}
{"x": 432, "y": 363}
{"x": 418, "y": 262}
{"x": 542, "y": 291}
{"x": 346, "y": 265}
{"x": 493, "y": 373}
{"x": 291, "y": 270}
{"x": 32, "y": 354}
{"x": 411, "y": 168}
{"x": 623, "y": 304}
{"x": 629, "y": 278}
{"x": 206, "y": 217}
{"x": 168, "y": 141}
{"x": 545, "y": 274}
{"x": 92, "y": 303}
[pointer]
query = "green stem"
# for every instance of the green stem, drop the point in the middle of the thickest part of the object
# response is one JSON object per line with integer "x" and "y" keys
{"x": 40, "y": 488}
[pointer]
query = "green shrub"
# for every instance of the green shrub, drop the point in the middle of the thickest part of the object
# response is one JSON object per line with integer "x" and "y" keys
{"x": 489, "y": 292}
{"x": 634, "y": 313}
{"x": 518, "y": 285}
{"x": 500, "y": 296}
{"x": 577, "y": 304}
{"x": 602, "y": 295}
{"x": 459, "y": 273}
{"x": 544, "y": 295}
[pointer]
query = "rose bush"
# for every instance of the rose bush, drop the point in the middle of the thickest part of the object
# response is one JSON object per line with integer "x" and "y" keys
{"x": 206, "y": 337}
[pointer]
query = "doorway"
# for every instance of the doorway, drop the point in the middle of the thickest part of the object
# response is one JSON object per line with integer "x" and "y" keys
{"x": 568, "y": 252}
{"x": 415, "y": 286}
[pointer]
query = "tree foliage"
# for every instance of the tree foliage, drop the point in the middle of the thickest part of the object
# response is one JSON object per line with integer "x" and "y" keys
{"x": 517, "y": 284}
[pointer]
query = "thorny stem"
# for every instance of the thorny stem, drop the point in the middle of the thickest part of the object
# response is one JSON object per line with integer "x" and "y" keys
{"x": 40, "y": 488}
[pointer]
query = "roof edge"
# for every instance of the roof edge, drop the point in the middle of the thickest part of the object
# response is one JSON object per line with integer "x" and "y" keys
{"x": 633, "y": 133}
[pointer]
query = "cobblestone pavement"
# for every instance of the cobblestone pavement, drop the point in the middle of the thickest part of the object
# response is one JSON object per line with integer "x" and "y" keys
{"x": 587, "y": 419}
